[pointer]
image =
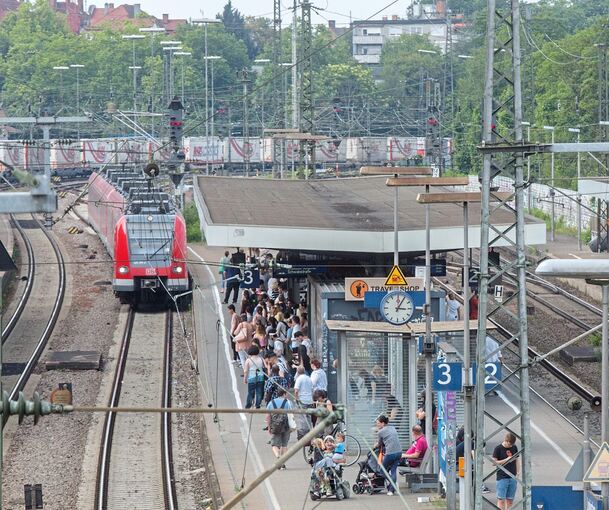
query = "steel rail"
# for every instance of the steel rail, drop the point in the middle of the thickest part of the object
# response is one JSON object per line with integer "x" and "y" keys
{"x": 103, "y": 466}
{"x": 169, "y": 488}
{"x": 48, "y": 330}
{"x": 593, "y": 399}
{"x": 31, "y": 269}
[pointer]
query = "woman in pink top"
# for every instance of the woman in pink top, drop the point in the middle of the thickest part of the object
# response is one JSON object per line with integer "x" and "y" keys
{"x": 243, "y": 338}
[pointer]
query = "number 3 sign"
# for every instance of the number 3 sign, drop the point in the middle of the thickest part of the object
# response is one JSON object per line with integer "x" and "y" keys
{"x": 447, "y": 376}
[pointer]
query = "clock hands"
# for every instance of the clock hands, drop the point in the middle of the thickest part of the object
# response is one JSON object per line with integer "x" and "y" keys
{"x": 399, "y": 307}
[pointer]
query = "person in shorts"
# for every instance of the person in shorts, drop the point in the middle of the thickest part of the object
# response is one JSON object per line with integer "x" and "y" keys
{"x": 279, "y": 427}
{"x": 505, "y": 455}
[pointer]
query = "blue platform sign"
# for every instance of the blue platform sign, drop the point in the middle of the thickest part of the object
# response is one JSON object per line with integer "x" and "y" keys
{"x": 250, "y": 278}
{"x": 493, "y": 370}
{"x": 372, "y": 299}
{"x": 447, "y": 376}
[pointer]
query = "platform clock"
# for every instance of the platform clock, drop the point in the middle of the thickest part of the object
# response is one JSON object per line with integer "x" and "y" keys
{"x": 397, "y": 307}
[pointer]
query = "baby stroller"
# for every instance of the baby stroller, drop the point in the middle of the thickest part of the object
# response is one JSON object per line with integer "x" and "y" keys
{"x": 327, "y": 482}
{"x": 370, "y": 477}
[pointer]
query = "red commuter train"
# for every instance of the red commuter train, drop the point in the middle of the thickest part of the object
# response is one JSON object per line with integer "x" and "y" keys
{"x": 146, "y": 236}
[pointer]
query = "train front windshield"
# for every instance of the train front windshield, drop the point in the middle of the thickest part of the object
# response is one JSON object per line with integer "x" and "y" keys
{"x": 150, "y": 239}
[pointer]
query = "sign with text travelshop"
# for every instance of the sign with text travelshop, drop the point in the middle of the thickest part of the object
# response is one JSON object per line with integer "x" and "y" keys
{"x": 356, "y": 288}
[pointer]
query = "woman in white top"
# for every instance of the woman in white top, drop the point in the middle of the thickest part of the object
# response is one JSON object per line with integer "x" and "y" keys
{"x": 453, "y": 308}
{"x": 253, "y": 376}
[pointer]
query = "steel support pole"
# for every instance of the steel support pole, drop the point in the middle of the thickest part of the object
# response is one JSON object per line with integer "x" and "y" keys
{"x": 396, "y": 247}
{"x": 467, "y": 363}
{"x": 521, "y": 267}
{"x": 605, "y": 386}
{"x": 428, "y": 337}
{"x": 579, "y": 200}
{"x": 206, "y": 104}
{"x": 483, "y": 278}
{"x": 295, "y": 108}
{"x": 77, "y": 101}
{"x": 213, "y": 110}
{"x": 586, "y": 455}
{"x": 530, "y": 184}
{"x": 552, "y": 196}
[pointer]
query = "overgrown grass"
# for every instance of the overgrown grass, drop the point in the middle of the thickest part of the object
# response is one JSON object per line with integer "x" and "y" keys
{"x": 560, "y": 226}
{"x": 193, "y": 227}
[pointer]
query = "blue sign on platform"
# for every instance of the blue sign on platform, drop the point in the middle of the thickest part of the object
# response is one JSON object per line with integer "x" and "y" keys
{"x": 250, "y": 278}
{"x": 447, "y": 376}
{"x": 373, "y": 299}
{"x": 493, "y": 369}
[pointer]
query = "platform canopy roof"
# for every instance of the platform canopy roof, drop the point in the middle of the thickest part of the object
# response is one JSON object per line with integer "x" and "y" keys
{"x": 338, "y": 215}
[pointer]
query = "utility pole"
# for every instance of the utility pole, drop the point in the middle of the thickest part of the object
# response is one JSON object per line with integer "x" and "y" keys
{"x": 503, "y": 80}
{"x": 603, "y": 98}
{"x": 276, "y": 64}
{"x": 295, "y": 66}
{"x": 246, "y": 140}
{"x": 307, "y": 107}
{"x": 433, "y": 140}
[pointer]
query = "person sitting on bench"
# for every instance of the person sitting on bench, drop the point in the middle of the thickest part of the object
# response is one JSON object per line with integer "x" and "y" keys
{"x": 414, "y": 455}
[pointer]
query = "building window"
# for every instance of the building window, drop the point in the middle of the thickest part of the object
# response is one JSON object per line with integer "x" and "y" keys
{"x": 365, "y": 31}
{"x": 364, "y": 51}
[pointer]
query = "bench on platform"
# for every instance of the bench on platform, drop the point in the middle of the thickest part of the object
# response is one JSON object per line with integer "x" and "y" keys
{"x": 416, "y": 478}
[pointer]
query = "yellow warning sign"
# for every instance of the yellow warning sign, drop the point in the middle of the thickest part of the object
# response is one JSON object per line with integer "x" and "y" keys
{"x": 599, "y": 469}
{"x": 396, "y": 277}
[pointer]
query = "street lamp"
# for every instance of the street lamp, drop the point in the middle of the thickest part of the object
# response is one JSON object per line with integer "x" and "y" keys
{"x": 78, "y": 67}
{"x": 579, "y": 198}
{"x": 429, "y": 52}
{"x": 61, "y": 69}
{"x": 595, "y": 272}
{"x": 205, "y": 22}
{"x": 134, "y": 67}
{"x": 211, "y": 58}
{"x": 152, "y": 31}
{"x": 551, "y": 128}
{"x": 183, "y": 54}
{"x": 170, "y": 50}
{"x": 262, "y": 61}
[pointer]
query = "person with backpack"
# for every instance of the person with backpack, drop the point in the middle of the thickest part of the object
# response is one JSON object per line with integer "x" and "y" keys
{"x": 279, "y": 425}
{"x": 254, "y": 377}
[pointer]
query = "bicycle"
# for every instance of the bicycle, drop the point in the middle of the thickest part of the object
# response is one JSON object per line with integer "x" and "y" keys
{"x": 353, "y": 448}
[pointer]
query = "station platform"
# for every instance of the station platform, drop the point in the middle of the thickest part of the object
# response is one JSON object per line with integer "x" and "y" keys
{"x": 230, "y": 435}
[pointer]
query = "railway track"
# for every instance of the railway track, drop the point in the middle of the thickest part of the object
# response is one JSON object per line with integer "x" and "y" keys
{"x": 582, "y": 391}
{"x": 27, "y": 289}
{"x": 31, "y": 344}
{"x": 135, "y": 468}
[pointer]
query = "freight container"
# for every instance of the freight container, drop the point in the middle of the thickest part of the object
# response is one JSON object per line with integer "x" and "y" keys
{"x": 202, "y": 150}
{"x": 237, "y": 151}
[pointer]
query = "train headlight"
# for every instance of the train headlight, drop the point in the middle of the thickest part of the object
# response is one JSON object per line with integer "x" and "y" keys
{"x": 123, "y": 270}
{"x": 178, "y": 269}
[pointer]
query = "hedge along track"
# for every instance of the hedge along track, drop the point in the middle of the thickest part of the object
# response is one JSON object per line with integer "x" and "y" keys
{"x": 135, "y": 468}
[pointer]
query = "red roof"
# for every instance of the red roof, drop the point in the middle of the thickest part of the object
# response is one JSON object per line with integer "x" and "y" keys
{"x": 7, "y": 6}
{"x": 117, "y": 17}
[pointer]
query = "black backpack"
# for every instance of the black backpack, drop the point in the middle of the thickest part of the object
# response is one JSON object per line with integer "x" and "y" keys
{"x": 279, "y": 422}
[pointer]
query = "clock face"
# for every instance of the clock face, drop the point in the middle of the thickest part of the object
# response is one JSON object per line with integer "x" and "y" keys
{"x": 397, "y": 307}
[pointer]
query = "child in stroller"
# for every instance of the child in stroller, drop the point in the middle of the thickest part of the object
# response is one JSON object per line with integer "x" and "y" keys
{"x": 370, "y": 477}
{"x": 327, "y": 473}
